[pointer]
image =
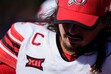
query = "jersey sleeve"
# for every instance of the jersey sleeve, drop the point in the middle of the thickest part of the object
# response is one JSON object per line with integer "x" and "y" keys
{"x": 5, "y": 69}
{"x": 13, "y": 39}
{"x": 9, "y": 46}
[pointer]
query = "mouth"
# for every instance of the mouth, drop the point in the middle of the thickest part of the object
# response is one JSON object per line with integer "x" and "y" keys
{"x": 74, "y": 38}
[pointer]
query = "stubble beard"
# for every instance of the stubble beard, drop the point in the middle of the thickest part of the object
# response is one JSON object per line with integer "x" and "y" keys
{"x": 68, "y": 47}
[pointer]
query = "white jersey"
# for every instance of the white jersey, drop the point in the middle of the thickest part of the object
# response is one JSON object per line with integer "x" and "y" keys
{"x": 39, "y": 54}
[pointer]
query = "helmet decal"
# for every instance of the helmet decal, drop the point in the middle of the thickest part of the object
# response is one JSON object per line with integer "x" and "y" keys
{"x": 77, "y": 2}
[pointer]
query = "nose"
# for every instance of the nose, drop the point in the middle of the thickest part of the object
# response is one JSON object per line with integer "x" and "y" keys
{"x": 73, "y": 29}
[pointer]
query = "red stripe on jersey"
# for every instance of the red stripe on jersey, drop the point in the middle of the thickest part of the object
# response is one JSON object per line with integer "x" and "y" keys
{"x": 16, "y": 34}
{"x": 4, "y": 69}
{"x": 14, "y": 55}
{"x": 11, "y": 45}
{"x": 7, "y": 59}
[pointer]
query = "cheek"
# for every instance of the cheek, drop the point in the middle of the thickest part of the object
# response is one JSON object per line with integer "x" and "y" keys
{"x": 90, "y": 36}
{"x": 61, "y": 29}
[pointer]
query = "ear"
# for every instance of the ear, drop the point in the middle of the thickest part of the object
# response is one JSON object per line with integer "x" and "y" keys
{"x": 105, "y": 20}
{"x": 103, "y": 24}
{"x": 107, "y": 25}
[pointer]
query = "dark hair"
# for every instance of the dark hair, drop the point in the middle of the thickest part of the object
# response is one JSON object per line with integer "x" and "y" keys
{"x": 102, "y": 38}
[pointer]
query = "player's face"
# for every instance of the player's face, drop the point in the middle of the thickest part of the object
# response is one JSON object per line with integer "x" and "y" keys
{"x": 74, "y": 37}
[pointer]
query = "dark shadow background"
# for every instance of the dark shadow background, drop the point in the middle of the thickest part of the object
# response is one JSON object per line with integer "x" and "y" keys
{"x": 12, "y": 11}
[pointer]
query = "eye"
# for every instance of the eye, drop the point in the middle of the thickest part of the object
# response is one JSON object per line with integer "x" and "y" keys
{"x": 67, "y": 25}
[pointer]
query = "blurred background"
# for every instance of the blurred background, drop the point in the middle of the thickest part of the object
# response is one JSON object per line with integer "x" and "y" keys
{"x": 12, "y": 11}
